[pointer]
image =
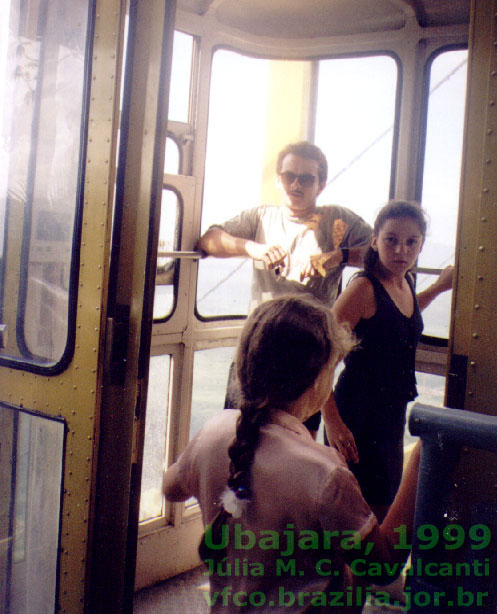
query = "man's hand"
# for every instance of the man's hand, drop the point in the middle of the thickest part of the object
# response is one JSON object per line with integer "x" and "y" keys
{"x": 272, "y": 255}
{"x": 320, "y": 264}
{"x": 308, "y": 271}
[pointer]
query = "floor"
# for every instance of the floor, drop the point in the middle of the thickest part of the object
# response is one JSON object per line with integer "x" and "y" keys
{"x": 184, "y": 594}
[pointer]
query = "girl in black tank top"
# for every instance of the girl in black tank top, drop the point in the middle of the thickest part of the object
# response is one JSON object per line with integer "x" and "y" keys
{"x": 381, "y": 307}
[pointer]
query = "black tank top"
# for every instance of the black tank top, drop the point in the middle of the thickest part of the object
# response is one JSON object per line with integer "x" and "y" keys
{"x": 384, "y": 362}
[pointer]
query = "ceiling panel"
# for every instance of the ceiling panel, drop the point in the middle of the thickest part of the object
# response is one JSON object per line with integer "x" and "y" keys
{"x": 317, "y": 18}
{"x": 310, "y": 19}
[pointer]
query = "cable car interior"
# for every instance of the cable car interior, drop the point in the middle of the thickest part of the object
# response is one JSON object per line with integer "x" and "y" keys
{"x": 150, "y": 121}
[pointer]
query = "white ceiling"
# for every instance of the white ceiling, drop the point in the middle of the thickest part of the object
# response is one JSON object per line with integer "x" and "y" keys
{"x": 315, "y": 18}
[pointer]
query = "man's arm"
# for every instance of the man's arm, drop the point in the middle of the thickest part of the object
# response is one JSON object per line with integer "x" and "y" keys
{"x": 352, "y": 256}
{"x": 356, "y": 255}
{"x": 351, "y": 247}
{"x": 354, "y": 243}
{"x": 217, "y": 242}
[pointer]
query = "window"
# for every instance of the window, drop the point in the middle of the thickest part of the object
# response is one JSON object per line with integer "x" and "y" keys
{"x": 233, "y": 172}
{"x": 431, "y": 390}
{"x": 210, "y": 376}
{"x": 166, "y": 265}
{"x": 42, "y": 80}
{"x": 31, "y": 467}
{"x": 357, "y": 139}
{"x": 355, "y": 120}
{"x": 441, "y": 176}
{"x": 172, "y": 157}
{"x": 151, "y": 499}
{"x": 181, "y": 70}
{"x": 176, "y": 162}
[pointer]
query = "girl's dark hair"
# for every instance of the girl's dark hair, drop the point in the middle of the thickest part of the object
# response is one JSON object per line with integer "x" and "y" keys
{"x": 394, "y": 209}
{"x": 284, "y": 345}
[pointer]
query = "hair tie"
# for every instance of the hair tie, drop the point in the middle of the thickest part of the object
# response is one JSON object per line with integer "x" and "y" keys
{"x": 234, "y": 502}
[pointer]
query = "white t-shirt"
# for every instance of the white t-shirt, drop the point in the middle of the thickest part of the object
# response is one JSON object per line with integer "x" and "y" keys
{"x": 328, "y": 228}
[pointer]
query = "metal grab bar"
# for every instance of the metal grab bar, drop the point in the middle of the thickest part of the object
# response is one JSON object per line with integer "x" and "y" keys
{"x": 445, "y": 435}
{"x": 426, "y": 271}
{"x": 185, "y": 255}
{"x": 181, "y": 255}
{"x": 455, "y": 425}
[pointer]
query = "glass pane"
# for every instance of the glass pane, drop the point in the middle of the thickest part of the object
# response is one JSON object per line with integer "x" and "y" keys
{"x": 224, "y": 286}
{"x": 233, "y": 171}
{"x": 155, "y": 437}
{"x": 436, "y": 316}
{"x": 42, "y": 79}
{"x": 354, "y": 127}
{"x": 30, "y": 485}
{"x": 210, "y": 376}
{"x": 441, "y": 176}
{"x": 4, "y": 120}
{"x": 181, "y": 71}
{"x": 166, "y": 266}
{"x": 356, "y": 138}
{"x": 171, "y": 161}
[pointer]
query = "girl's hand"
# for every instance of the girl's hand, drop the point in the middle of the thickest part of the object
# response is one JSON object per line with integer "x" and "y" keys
{"x": 444, "y": 281}
{"x": 442, "y": 284}
{"x": 342, "y": 439}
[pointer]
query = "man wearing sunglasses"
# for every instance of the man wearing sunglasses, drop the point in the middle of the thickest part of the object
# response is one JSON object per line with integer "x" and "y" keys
{"x": 296, "y": 248}
{"x": 299, "y": 247}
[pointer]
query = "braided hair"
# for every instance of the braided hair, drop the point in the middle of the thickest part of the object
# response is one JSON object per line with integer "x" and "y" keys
{"x": 284, "y": 345}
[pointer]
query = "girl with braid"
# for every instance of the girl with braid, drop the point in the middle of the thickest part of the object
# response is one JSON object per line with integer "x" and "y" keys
{"x": 286, "y": 526}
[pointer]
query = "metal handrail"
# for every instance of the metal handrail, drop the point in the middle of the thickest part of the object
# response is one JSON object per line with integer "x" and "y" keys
{"x": 184, "y": 255}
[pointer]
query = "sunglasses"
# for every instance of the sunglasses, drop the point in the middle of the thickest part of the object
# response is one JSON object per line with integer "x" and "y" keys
{"x": 306, "y": 180}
